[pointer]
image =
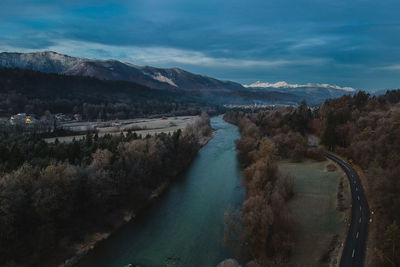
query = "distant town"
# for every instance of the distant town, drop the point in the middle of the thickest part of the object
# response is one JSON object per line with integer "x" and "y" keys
{"x": 25, "y": 122}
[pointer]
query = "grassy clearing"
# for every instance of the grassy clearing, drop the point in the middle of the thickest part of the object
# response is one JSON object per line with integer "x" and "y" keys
{"x": 140, "y": 126}
{"x": 314, "y": 204}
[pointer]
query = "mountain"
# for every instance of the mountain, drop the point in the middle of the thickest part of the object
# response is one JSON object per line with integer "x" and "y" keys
{"x": 157, "y": 78}
{"x": 34, "y": 92}
{"x": 283, "y": 84}
{"x": 314, "y": 93}
{"x": 174, "y": 79}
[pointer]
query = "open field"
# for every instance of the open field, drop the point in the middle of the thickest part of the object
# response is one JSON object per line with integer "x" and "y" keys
{"x": 314, "y": 205}
{"x": 140, "y": 126}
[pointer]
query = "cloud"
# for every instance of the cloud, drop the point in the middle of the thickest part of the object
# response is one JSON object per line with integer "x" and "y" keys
{"x": 309, "y": 43}
{"x": 394, "y": 67}
{"x": 328, "y": 43}
{"x": 162, "y": 56}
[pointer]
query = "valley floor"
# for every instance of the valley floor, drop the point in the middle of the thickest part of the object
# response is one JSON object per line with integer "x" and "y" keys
{"x": 139, "y": 126}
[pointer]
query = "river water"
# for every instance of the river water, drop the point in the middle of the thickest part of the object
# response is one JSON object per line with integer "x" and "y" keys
{"x": 185, "y": 226}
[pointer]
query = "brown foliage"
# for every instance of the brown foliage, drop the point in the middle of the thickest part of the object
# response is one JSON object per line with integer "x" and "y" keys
{"x": 284, "y": 128}
{"x": 267, "y": 224}
{"x": 367, "y": 131}
{"x": 315, "y": 154}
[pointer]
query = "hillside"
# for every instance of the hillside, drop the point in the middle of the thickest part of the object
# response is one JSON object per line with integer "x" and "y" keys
{"x": 35, "y": 92}
{"x": 157, "y": 78}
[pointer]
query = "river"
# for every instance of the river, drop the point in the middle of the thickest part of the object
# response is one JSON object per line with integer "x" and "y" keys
{"x": 185, "y": 226}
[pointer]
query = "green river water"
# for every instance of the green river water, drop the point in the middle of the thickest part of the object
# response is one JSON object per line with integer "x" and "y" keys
{"x": 185, "y": 226}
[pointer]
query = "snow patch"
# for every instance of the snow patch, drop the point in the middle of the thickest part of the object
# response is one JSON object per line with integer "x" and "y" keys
{"x": 283, "y": 84}
{"x": 164, "y": 79}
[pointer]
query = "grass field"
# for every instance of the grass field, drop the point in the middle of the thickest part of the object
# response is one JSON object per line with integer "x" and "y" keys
{"x": 140, "y": 126}
{"x": 314, "y": 205}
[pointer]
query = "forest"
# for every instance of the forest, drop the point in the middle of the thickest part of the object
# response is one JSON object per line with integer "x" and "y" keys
{"x": 287, "y": 129}
{"x": 33, "y": 92}
{"x": 53, "y": 195}
{"x": 268, "y": 226}
{"x": 366, "y": 130}
{"x": 363, "y": 129}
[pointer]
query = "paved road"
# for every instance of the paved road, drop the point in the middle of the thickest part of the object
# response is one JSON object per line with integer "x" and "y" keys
{"x": 354, "y": 249}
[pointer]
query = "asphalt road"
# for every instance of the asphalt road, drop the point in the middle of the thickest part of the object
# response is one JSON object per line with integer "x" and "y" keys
{"x": 354, "y": 249}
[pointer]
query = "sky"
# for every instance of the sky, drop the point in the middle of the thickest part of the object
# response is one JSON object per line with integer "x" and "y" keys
{"x": 344, "y": 42}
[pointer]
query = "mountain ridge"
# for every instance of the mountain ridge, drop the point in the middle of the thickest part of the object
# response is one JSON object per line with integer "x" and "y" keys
{"x": 158, "y": 78}
{"x": 284, "y": 84}
{"x": 174, "y": 79}
{"x": 313, "y": 93}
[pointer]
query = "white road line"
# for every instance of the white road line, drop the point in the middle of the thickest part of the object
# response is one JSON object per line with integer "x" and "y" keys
{"x": 359, "y": 220}
{"x": 352, "y": 255}
{"x": 360, "y": 208}
{"x": 357, "y": 235}
{"x": 356, "y": 188}
{"x": 358, "y": 197}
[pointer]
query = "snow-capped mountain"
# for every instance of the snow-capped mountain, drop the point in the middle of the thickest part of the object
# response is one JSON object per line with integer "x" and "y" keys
{"x": 158, "y": 78}
{"x": 314, "y": 93}
{"x": 283, "y": 84}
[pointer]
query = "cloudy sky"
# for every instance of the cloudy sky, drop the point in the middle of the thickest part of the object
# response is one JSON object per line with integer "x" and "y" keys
{"x": 345, "y": 42}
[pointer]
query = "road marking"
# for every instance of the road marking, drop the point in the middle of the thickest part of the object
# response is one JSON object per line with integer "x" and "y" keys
{"x": 360, "y": 208}
{"x": 359, "y": 220}
{"x": 352, "y": 255}
{"x": 357, "y": 235}
{"x": 358, "y": 197}
{"x": 356, "y": 188}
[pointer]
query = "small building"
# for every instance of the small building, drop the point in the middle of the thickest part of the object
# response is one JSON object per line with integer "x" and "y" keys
{"x": 77, "y": 117}
{"x": 22, "y": 118}
{"x": 62, "y": 117}
{"x": 29, "y": 119}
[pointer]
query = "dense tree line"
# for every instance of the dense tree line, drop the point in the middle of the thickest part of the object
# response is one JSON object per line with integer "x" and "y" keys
{"x": 363, "y": 128}
{"x": 35, "y": 93}
{"x": 366, "y": 130}
{"x": 286, "y": 127}
{"x": 267, "y": 224}
{"x": 52, "y": 195}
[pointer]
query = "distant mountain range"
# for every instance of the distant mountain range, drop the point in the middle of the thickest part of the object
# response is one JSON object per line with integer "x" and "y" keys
{"x": 314, "y": 93}
{"x": 173, "y": 79}
{"x": 286, "y": 85}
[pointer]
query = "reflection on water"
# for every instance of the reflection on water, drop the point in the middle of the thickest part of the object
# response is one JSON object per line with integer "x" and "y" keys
{"x": 185, "y": 226}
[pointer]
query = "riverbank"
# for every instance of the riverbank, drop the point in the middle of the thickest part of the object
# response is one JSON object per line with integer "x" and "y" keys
{"x": 191, "y": 208}
{"x": 93, "y": 240}
{"x": 86, "y": 189}
{"x": 122, "y": 218}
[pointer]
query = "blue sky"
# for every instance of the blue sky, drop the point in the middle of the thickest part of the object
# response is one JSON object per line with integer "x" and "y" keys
{"x": 345, "y": 42}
